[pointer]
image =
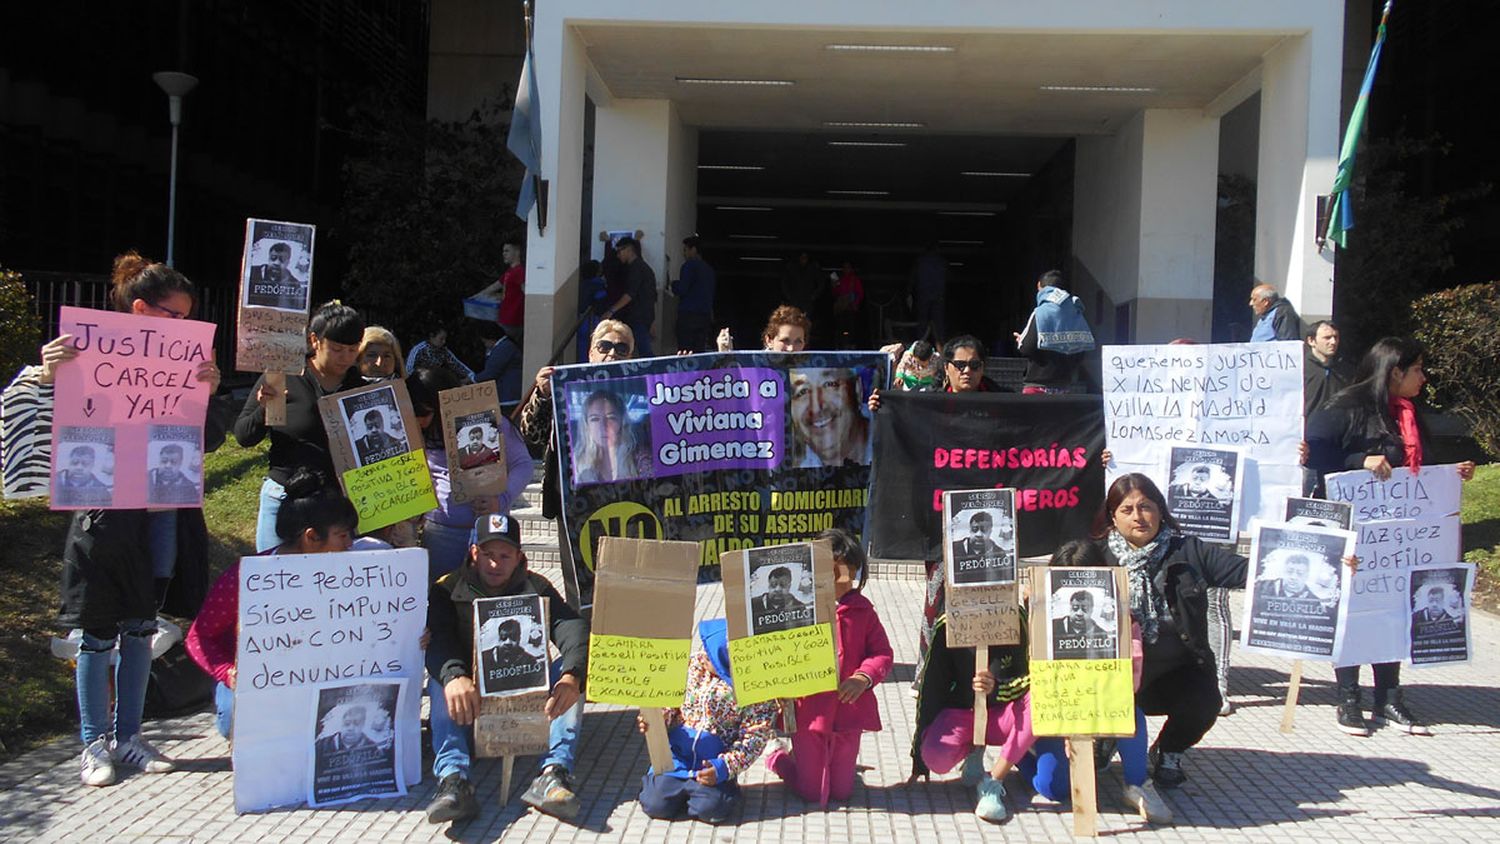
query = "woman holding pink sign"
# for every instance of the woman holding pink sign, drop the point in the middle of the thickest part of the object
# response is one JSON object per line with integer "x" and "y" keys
{"x": 121, "y": 566}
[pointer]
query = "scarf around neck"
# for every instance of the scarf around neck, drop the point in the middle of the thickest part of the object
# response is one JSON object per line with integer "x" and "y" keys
{"x": 1405, "y": 414}
{"x": 1141, "y": 565}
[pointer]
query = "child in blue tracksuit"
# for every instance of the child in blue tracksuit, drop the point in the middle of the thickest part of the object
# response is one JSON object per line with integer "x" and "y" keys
{"x": 713, "y": 738}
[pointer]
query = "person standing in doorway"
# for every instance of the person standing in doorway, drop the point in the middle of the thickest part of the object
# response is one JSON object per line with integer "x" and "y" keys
{"x": 636, "y": 307}
{"x": 695, "y": 293}
{"x": 929, "y": 291}
{"x": 1276, "y": 319}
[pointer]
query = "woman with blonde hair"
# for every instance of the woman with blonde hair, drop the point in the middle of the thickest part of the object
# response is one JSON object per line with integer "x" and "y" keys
{"x": 380, "y": 355}
{"x": 610, "y": 449}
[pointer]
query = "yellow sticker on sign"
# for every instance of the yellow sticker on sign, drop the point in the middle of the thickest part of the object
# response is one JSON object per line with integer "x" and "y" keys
{"x": 1082, "y": 697}
{"x": 786, "y": 663}
{"x": 632, "y": 671}
{"x": 390, "y": 491}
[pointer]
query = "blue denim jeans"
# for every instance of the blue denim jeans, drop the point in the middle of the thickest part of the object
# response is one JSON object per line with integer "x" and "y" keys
{"x": 447, "y": 547}
{"x": 451, "y": 744}
{"x": 131, "y": 675}
{"x": 1047, "y": 770}
{"x": 271, "y": 496}
{"x": 223, "y": 709}
{"x": 161, "y": 541}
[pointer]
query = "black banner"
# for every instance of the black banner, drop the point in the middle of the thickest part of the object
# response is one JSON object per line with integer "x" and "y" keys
{"x": 1045, "y": 447}
{"x": 732, "y": 451}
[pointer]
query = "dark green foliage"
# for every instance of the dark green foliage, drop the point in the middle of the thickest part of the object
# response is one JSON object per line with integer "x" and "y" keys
{"x": 20, "y": 333}
{"x": 1461, "y": 329}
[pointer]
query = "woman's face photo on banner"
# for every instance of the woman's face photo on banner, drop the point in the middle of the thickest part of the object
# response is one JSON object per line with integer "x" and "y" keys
{"x": 610, "y": 438}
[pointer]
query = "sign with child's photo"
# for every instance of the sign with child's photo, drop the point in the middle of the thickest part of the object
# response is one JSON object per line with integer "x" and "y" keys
{"x": 779, "y": 605}
{"x": 129, "y": 412}
{"x": 377, "y": 451}
{"x": 473, "y": 440}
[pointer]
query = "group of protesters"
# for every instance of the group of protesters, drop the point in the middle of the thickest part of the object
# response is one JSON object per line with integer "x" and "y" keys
{"x": 123, "y": 567}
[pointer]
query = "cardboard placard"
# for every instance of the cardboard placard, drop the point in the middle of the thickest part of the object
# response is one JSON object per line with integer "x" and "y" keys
{"x": 474, "y": 441}
{"x": 781, "y": 641}
{"x": 642, "y": 630}
{"x": 1081, "y": 679}
{"x": 512, "y": 726}
{"x": 377, "y": 452}
{"x": 306, "y": 620}
{"x": 275, "y": 285}
{"x": 129, "y": 410}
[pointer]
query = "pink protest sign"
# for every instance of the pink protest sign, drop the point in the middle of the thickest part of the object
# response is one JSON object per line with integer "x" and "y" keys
{"x": 128, "y": 426}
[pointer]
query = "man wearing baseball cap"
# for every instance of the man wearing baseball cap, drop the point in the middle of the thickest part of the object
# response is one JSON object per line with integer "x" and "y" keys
{"x": 496, "y": 566}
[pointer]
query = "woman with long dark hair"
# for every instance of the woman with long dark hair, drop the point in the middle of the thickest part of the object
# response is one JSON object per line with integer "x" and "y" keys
{"x": 1169, "y": 575}
{"x": 121, "y": 566}
{"x": 1373, "y": 424}
{"x": 334, "y": 335}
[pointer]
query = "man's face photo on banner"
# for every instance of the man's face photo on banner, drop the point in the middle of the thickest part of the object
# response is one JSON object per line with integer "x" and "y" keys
{"x": 829, "y": 423}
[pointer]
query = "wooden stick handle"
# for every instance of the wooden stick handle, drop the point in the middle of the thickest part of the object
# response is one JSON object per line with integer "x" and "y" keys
{"x": 981, "y": 702}
{"x": 507, "y": 768}
{"x": 789, "y": 715}
{"x": 657, "y": 745}
{"x": 1293, "y": 688}
{"x": 1085, "y": 805}
{"x": 276, "y": 407}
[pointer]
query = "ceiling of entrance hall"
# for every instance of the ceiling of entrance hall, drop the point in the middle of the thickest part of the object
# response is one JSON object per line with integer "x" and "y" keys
{"x": 990, "y": 83}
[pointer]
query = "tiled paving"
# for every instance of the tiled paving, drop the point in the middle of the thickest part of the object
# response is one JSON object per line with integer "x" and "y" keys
{"x": 1249, "y": 781}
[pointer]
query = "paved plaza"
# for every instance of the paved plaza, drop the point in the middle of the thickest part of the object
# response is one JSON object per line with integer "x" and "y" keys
{"x": 1248, "y": 780}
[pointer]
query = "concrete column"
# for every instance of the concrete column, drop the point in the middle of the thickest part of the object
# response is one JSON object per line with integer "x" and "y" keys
{"x": 552, "y": 255}
{"x": 1143, "y": 224}
{"x": 645, "y": 179}
{"x": 1299, "y": 127}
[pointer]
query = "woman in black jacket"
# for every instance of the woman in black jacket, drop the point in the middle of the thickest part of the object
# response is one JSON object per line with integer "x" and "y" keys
{"x": 1169, "y": 576}
{"x": 1372, "y": 424}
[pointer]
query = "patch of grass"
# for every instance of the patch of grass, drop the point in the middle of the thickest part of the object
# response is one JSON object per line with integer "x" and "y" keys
{"x": 37, "y": 700}
{"x": 1481, "y": 520}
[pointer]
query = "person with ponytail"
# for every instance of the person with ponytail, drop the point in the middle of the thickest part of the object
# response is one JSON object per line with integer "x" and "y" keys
{"x": 1373, "y": 424}
{"x": 314, "y": 518}
{"x": 121, "y": 566}
{"x": 334, "y": 335}
{"x": 448, "y": 530}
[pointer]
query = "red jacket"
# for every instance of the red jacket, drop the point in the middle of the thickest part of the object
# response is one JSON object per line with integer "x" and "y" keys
{"x": 864, "y": 648}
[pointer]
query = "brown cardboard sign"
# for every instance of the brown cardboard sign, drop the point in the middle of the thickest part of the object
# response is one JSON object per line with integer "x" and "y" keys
{"x": 474, "y": 440}
{"x": 275, "y": 285}
{"x": 511, "y": 726}
{"x": 377, "y": 451}
{"x": 1079, "y": 613}
{"x": 979, "y": 548}
{"x": 645, "y": 588}
{"x": 779, "y": 606}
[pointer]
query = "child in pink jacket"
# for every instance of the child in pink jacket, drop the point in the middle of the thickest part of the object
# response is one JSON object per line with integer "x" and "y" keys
{"x": 826, "y": 744}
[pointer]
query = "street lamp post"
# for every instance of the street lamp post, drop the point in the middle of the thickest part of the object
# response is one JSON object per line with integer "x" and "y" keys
{"x": 176, "y": 85}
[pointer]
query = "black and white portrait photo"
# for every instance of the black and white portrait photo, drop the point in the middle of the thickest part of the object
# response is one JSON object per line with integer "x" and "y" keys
{"x": 354, "y": 743}
{"x": 1319, "y": 513}
{"x": 1203, "y": 491}
{"x": 1297, "y": 580}
{"x": 779, "y": 588}
{"x": 174, "y": 465}
{"x": 84, "y": 467}
{"x": 1439, "y": 614}
{"x": 981, "y": 536}
{"x": 373, "y": 420}
{"x": 478, "y": 438}
{"x": 278, "y": 265}
{"x": 510, "y": 637}
{"x": 1082, "y": 614}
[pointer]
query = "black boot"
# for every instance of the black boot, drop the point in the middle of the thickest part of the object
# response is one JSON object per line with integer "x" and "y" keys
{"x": 1351, "y": 719}
{"x": 1390, "y": 707}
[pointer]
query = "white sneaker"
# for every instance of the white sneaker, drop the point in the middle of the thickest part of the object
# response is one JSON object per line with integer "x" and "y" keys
{"x": 96, "y": 765}
{"x": 1148, "y": 802}
{"x": 139, "y": 753}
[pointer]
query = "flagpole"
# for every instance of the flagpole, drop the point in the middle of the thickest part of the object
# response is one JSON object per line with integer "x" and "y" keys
{"x": 1340, "y": 211}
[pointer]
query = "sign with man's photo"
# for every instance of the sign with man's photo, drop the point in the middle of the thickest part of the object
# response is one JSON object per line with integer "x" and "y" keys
{"x": 275, "y": 288}
{"x": 377, "y": 451}
{"x": 510, "y": 641}
{"x": 1296, "y": 585}
{"x": 373, "y": 423}
{"x": 1081, "y": 673}
{"x": 1083, "y": 613}
{"x": 354, "y": 743}
{"x": 1320, "y": 513}
{"x": 980, "y": 536}
{"x": 779, "y": 607}
{"x": 1203, "y": 491}
{"x": 473, "y": 440}
{"x": 1439, "y": 600}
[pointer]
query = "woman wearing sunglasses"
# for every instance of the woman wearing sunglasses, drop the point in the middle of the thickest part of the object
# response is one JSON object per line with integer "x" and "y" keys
{"x": 612, "y": 340}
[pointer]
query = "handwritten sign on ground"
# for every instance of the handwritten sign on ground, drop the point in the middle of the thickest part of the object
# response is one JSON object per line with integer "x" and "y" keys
{"x": 275, "y": 281}
{"x": 1406, "y": 521}
{"x": 473, "y": 440}
{"x": 779, "y": 606}
{"x": 1439, "y": 632}
{"x": 511, "y": 726}
{"x": 307, "y": 620}
{"x": 376, "y": 447}
{"x": 129, "y": 412}
{"x": 511, "y": 660}
{"x": 1081, "y": 680}
{"x": 1247, "y": 395}
{"x": 642, "y": 632}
